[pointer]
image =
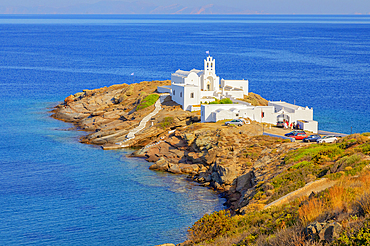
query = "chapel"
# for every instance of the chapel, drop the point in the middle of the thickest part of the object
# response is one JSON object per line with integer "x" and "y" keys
{"x": 191, "y": 88}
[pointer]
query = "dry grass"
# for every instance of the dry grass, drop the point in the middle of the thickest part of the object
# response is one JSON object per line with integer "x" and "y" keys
{"x": 365, "y": 180}
{"x": 338, "y": 199}
{"x": 311, "y": 210}
{"x": 291, "y": 236}
{"x": 363, "y": 202}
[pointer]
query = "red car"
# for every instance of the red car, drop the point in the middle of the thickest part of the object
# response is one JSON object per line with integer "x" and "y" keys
{"x": 299, "y": 135}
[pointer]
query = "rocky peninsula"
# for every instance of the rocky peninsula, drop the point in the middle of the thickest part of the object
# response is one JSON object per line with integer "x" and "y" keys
{"x": 229, "y": 159}
{"x": 253, "y": 171}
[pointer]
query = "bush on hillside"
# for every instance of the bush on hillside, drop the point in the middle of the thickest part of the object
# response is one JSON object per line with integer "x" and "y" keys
{"x": 166, "y": 122}
{"x": 211, "y": 226}
{"x": 222, "y": 101}
{"x": 148, "y": 101}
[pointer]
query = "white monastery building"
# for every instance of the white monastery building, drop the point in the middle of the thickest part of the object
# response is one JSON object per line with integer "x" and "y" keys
{"x": 194, "y": 87}
{"x": 271, "y": 114}
{"x": 190, "y": 88}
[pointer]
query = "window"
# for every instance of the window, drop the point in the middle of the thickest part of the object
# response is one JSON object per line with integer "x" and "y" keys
{"x": 208, "y": 87}
{"x": 174, "y": 92}
{"x": 180, "y": 94}
{"x": 192, "y": 95}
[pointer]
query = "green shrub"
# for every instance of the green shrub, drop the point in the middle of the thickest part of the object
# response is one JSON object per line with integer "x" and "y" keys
{"x": 167, "y": 121}
{"x": 211, "y": 226}
{"x": 148, "y": 101}
{"x": 355, "y": 238}
{"x": 349, "y": 160}
{"x": 267, "y": 222}
{"x": 364, "y": 148}
{"x": 350, "y": 165}
{"x": 295, "y": 178}
{"x": 316, "y": 153}
{"x": 300, "y": 164}
{"x": 327, "y": 152}
{"x": 222, "y": 101}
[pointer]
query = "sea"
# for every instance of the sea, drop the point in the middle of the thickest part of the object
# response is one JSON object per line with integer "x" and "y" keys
{"x": 57, "y": 191}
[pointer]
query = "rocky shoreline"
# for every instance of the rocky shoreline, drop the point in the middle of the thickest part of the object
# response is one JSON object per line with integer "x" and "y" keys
{"x": 232, "y": 160}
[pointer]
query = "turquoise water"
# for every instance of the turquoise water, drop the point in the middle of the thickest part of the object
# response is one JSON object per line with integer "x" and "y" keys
{"x": 56, "y": 191}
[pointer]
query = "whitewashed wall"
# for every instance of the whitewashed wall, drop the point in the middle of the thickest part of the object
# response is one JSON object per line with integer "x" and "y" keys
{"x": 188, "y": 100}
{"x": 177, "y": 94}
{"x": 234, "y": 94}
{"x": 241, "y": 84}
{"x": 164, "y": 89}
{"x": 192, "y": 79}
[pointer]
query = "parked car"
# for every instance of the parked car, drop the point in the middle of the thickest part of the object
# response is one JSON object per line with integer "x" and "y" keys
{"x": 299, "y": 135}
{"x": 280, "y": 124}
{"x": 293, "y": 132}
{"x": 237, "y": 122}
{"x": 327, "y": 139}
{"x": 312, "y": 138}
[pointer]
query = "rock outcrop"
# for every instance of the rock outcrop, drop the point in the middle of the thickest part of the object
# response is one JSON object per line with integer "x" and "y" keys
{"x": 110, "y": 113}
{"x": 232, "y": 160}
{"x": 324, "y": 232}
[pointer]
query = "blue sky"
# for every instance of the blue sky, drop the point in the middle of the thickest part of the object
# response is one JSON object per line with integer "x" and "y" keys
{"x": 260, "y": 6}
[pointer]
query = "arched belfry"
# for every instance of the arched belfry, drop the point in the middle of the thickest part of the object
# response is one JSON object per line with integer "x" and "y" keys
{"x": 209, "y": 66}
{"x": 209, "y": 77}
{"x": 194, "y": 87}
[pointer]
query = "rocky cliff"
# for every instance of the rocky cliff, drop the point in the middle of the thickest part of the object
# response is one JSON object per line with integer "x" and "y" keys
{"x": 230, "y": 159}
{"x": 266, "y": 180}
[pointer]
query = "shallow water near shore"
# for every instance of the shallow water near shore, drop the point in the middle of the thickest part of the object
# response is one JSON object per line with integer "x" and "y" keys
{"x": 56, "y": 191}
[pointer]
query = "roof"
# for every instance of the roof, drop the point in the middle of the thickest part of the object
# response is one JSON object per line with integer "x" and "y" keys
{"x": 288, "y": 105}
{"x": 184, "y": 74}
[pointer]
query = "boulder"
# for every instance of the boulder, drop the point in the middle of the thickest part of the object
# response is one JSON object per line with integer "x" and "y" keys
{"x": 330, "y": 231}
{"x": 173, "y": 141}
{"x": 217, "y": 186}
{"x": 161, "y": 164}
{"x": 323, "y": 232}
{"x": 195, "y": 157}
{"x": 188, "y": 168}
{"x": 204, "y": 142}
{"x": 223, "y": 174}
{"x": 69, "y": 99}
{"x": 312, "y": 230}
{"x": 262, "y": 162}
{"x": 79, "y": 95}
{"x": 174, "y": 168}
{"x": 210, "y": 157}
{"x": 244, "y": 182}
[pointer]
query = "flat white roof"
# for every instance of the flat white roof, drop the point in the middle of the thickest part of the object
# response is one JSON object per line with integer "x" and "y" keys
{"x": 287, "y": 105}
{"x": 184, "y": 74}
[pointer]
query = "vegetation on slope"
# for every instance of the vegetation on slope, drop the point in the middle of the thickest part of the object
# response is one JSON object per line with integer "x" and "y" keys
{"x": 346, "y": 203}
{"x": 148, "y": 101}
{"x": 222, "y": 101}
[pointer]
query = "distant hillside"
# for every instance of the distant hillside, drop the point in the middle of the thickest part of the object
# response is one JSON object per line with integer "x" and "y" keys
{"x": 122, "y": 7}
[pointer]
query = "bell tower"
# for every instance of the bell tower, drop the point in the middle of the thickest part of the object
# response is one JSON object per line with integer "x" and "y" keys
{"x": 210, "y": 80}
{"x": 209, "y": 67}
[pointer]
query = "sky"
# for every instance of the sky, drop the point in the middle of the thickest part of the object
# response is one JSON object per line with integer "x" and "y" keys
{"x": 260, "y": 6}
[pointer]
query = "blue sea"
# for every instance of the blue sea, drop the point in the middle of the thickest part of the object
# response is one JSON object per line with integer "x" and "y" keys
{"x": 56, "y": 191}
